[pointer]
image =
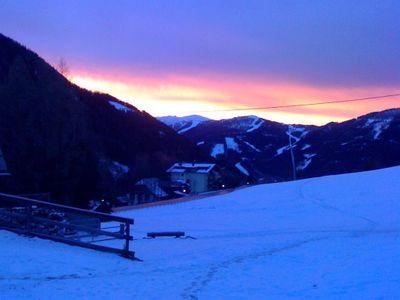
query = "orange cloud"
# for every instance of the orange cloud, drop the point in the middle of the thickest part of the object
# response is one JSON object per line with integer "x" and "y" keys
{"x": 183, "y": 95}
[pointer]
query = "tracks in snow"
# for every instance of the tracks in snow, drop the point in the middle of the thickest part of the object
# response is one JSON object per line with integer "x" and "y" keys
{"x": 201, "y": 282}
{"x": 370, "y": 226}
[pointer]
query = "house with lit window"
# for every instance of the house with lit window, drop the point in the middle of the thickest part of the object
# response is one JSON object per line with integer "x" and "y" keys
{"x": 198, "y": 176}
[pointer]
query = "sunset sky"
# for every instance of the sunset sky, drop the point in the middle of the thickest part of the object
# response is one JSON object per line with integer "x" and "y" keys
{"x": 200, "y": 57}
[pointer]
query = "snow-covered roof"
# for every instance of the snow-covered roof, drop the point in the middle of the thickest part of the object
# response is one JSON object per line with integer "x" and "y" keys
{"x": 153, "y": 185}
{"x": 191, "y": 168}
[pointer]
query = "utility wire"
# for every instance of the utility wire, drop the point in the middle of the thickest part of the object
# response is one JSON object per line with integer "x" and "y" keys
{"x": 304, "y": 104}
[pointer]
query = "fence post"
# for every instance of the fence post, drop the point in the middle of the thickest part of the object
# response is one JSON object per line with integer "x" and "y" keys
{"x": 127, "y": 236}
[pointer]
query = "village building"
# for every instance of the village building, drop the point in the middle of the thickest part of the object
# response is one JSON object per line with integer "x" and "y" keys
{"x": 197, "y": 175}
{"x": 147, "y": 190}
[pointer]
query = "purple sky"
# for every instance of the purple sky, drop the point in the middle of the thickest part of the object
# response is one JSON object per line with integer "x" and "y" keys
{"x": 325, "y": 44}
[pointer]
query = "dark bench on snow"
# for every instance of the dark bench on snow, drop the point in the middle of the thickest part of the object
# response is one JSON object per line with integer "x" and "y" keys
{"x": 176, "y": 234}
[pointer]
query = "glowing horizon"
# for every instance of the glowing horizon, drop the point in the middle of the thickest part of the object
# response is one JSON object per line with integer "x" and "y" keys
{"x": 185, "y": 57}
{"x": 181, "y": 96}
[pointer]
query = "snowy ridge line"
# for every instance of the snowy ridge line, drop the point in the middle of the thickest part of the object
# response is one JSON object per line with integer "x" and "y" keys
{"x": 120, "y": 106}
{"x": 173, "y": 120}
{"x": 193, "y": 125}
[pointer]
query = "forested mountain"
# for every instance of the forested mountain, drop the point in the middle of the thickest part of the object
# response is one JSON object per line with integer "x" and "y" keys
{"x": 57, "y": 137}
{"x": 183, "y": 124}
{"x": 77, "y": 145}
{"x": 262, "y": 148}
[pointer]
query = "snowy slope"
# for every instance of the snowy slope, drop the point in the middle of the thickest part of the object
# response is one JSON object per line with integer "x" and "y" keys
{"x": 333, "y": 237}
{"x": 171, "y": 120}
{"x": 368, "y": 142}
{"x": 183, "y": 124}
{"x": 120, "y": 106}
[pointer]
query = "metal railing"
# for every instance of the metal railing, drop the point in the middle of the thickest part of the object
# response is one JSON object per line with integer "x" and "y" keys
{"x": 65, "y": 224}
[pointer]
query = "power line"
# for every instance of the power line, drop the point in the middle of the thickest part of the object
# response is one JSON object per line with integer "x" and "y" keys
{"x": 304, "y": 104}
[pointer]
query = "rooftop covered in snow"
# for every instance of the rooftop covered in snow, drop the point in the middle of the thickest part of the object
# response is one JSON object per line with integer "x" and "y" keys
{"x": 153, "y": 185}
{"x": 191, "y": 168}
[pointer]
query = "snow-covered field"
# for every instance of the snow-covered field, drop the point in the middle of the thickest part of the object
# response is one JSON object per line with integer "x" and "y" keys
{"x": 335, "y": 237}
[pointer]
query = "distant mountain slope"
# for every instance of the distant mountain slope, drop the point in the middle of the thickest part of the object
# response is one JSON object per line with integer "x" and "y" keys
{"x": 73, "y": 143}
{"x": 368, "y": 142}
{"x": 261, "y": 148}
{"x": 183, "y": 124}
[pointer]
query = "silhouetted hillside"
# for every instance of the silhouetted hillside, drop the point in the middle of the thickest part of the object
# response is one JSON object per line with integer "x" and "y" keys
{"x": 73, "y": 143}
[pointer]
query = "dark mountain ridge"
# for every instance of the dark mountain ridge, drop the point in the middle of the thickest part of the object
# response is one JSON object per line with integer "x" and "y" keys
{"x": 76, "y": 144}
{"x": 262, "y": 148}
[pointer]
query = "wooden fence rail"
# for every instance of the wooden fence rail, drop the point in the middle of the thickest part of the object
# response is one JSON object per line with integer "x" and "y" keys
{"x": 65, "y": 224}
